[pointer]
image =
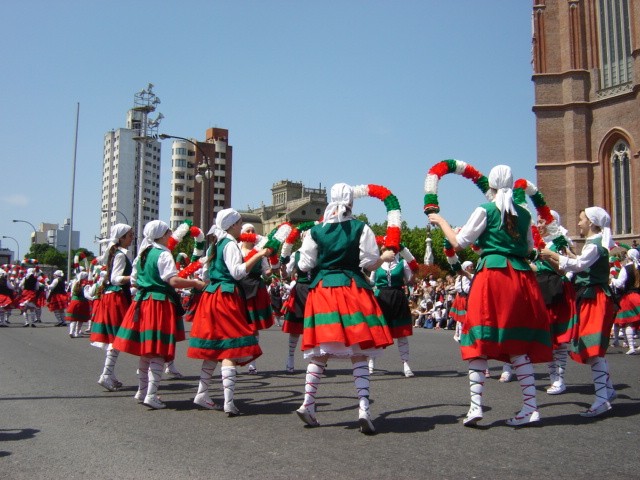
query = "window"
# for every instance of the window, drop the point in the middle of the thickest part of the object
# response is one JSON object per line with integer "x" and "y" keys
{"x": 621, "y": 188}
{"x": 615, "y": 43}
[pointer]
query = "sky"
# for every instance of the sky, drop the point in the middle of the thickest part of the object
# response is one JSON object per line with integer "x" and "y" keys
{"x": 361, "y": 92}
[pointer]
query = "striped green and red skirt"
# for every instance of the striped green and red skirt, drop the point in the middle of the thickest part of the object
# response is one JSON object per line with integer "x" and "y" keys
{"x": 590, "y": 336}
{"x": 108, "y": 313}
{"x": 293, "y": 309}
{"x": 563, "y": 315}
{"x": 57, "y": 301}
{"x": 344, "y": 315}
{"x": 220, "y": 329}
{"x": 78, "y": 311}
{"x": 154, "y": 332}
{"x": 395, "y": 308}
{"x": 260, "y": 311}
{"x": 629, "y": 312}
{"x": 458, "y": 310}
{"x": 506, "y": 316}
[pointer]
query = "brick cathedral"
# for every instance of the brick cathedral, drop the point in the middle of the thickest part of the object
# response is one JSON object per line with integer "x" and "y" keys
{"x": 586, "y": 62}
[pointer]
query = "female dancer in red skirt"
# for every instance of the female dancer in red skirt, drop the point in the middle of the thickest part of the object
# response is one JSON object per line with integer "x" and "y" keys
{"x": 114, "y": 301}
{"x": 389, "y": 280}
{"x": 79, "y": 308}
{"x": 590, "y": 337}
{"x": 294, "y": 306}
{"x": 560, "y": 299}
{"x": 57, "y": 298}
{"x": 627, "y": 284}
{"x": 221, "y": 331}
{"x": 506, "y": 316}
{"x": 342, "y": 318}
{"x": 256, "y": 293}
{"x": 6, "y": 297}
{"x": 27, "y": 301}
{"x": 152, "y": 326}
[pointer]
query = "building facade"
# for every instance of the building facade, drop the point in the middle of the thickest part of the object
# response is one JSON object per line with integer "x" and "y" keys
{"x": 586, "y": 62}
{"x": 131, "y": 169}
{"x": 291, "y": 202}
{"x": 201, "y": 174}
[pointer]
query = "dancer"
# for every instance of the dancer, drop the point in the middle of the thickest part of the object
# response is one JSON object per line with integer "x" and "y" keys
{"x": 114, "y": 301}
{"x": 506, "y": 317}
{"x": 255, "y": 292}
{"x": 627, "y": 284}
{"x": 560, "y": 299}
{"x": 389, "y": 280}
{"x": 221, "y": 331}
{"x": 153, "y": 322}
{"x": 29, "y": 287}
{"x": 294, "y": 306}
{"x": 595, "y": 305}
{"x": 6, "y": 297}
{"x": 342, "y": 318}
{"x": 57, "y": 298}
{"x": 462, "y": 284}
{"x": 79, "y": 310}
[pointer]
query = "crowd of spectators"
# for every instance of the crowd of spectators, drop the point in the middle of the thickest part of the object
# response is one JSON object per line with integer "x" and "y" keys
{"x": 430, "y": 300}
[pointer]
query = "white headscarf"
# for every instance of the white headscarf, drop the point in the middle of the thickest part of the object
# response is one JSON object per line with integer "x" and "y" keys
{"x": 152, "y": 231}
{"x": 466, "y": 264}
{"x": 227, "y": 218}
{"x": 599, "y": 217}
{"x": 501, "y": 179}
{"x": 58, "y": 273}
{"x": 246, "y": 227}
{"x": 339, "y": 208}
{"x": 634, "y": 256}
{"x": 118, "y": 231}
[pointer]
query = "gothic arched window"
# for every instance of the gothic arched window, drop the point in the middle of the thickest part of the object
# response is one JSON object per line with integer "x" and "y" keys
{"x": 621, "y": 187}
{"x": 615, "y": 43}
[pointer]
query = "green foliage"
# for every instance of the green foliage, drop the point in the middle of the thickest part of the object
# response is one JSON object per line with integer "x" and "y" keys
{"x": 185, "y": 246}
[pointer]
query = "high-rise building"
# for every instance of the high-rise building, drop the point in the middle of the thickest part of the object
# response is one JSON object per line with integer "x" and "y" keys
{"x": 201, "y": 175}
{"x": 131, "y": 169}
{"x": 586, "y": 61}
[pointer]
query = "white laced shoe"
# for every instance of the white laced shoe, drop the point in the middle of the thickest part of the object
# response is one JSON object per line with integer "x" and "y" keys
{"x": 107, "y": 383}
{"x": 596, "y": 411}
{"x": 557, "y": 388}
{"x": 152, "y": 401}
{"x": 407, "y": 371}
{"x": 366, "y": 425}
{"x": 140, "y": 395}
{"x": 203, "y": 400}
{"x": 506, "y": 377}
{"x": 231, "y": 410}
{"x": 524, "y": 418}
{"x": 307, "y": 417}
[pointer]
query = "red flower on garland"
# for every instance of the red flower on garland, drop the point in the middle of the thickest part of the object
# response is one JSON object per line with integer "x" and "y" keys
{"x": 439, "y": 169}
{"x": 378, "y": 191}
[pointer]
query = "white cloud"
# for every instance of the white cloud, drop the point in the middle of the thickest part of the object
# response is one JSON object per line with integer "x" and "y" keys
{"x": 16, "y": 200}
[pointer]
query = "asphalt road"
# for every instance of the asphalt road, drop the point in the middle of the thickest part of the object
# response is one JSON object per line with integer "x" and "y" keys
{"x": 57, "y": 423}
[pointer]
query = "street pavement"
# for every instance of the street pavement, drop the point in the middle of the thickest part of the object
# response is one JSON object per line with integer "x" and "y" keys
{"x": 56, "y": 422}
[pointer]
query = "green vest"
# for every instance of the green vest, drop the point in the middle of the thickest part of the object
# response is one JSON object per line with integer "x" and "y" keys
{"x": 596, "y": 275}
{"x": 393, "y": 278}
{"x": 149, "y": 282}
{"x": 128, "y": 268}
{"x": 219, "y": 275}
{"x": 338, "y": 254}
{"x": 498, "y": 246}
{"x": 543, "y": 265}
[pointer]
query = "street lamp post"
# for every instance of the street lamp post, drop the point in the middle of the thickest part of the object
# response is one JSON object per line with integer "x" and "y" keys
{"x": 202, "y": 177}
{"x": 17, "y": 244}
{"x": 35, "y": 230}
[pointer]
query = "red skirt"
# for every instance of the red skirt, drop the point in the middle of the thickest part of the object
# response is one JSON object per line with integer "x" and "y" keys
{"x": 629, "y": 312}
{"x": 395, "y": 308}
{"x": 347, "y": 315}
{"x": 6, "y": 301}
{"x": 293, "y": 309}
{"x": 563, "y": 316}
{"x": 26, "y": 297}
{"x": 506, "y": 316}
{"x": 154, "y": 333}
{"x": 108, "y": 313}
{"x": 260, "y": 311}
{"x": 41, "y": 299}
{"x": 220, "y": 329}
{"x": 590, "y": 336}
{"x": 458, "y": 310}
{"x": 78, "y": 311}
{"x": 58, "y": 301}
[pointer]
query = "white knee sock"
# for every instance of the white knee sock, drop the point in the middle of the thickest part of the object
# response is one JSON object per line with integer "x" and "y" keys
{"x": 156, "y": 365}
{"x": 293, "y": 343}
{"x": 228, "y": 383}
{"x": 143, "y": 375}
{"x": 524, "y": 371}
{"x": 361, "y": 380}
{"x": 560, "y": 359}
{"x": 315, "y": 369}
{"x": 403, "y": 348}
{"x": 72, "y": 327}
{"x": 629, "y": 333}
{"x": 59, "y": 314}
{"x": 477, "y": 367}
{"x": 206, "y": 372}
{"x": 110, "y": 362}
{"x": 600, "y": 374}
